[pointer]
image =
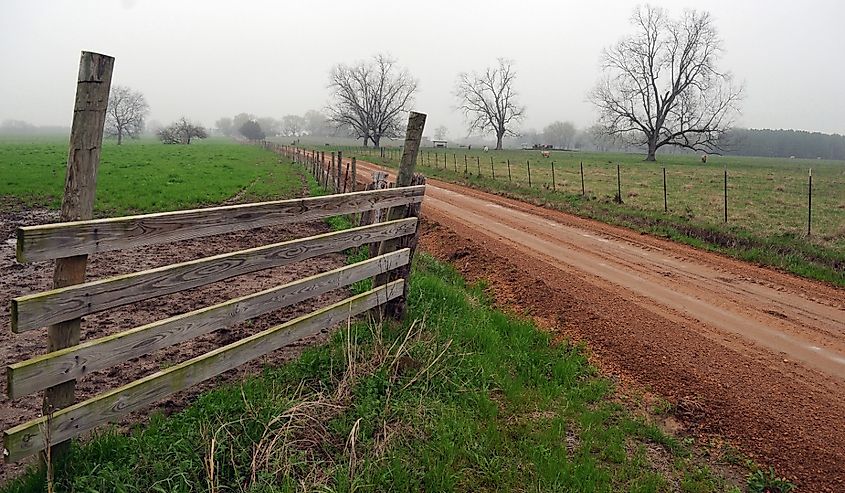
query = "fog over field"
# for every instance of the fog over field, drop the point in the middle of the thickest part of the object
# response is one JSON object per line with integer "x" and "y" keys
{"x": 207, "y": 59}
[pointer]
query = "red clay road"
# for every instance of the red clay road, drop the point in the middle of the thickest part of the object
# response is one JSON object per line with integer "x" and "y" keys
{"x": 749, "y": 354}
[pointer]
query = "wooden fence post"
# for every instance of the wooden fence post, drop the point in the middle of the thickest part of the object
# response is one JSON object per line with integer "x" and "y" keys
{"x": 339, "y": 170}
{"x": 554, "y": 186}
{"x": 354, "y": 175}
{"x": 413, "y": 136}
{"x": 618, "y": 199}
{"x": 330, "y": 178}
{"x": 528, "y": 163}
{"x": 810, "y": 203}
{"x": 726, "y": 192}
{"x": 346, "y": 178}
{"x": 583, "y": 190}
{"x": 86, "y": 141}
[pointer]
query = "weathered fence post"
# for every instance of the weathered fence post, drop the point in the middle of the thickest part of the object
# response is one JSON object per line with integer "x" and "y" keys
{"x": 346, "y": 177}
{"x": 554, "y": 186}
{"x": 86, "y": 141}
{"x": 726, "y": 192}
{"x": 354, "y": 174}
{"x": 665, "y": 198}
{"x": 529, "y": 172}
{"x": 618, "y": 199}
{"x": 455, "y": 160}
{"x": 339, "y": 170}
{"x": 405, "y": 178}
{"x": 478, "y": 164}
{"x": 331, "y": 171}
{"x": 810, "y": 202}
{"x": 492, "y": 169}
{"x": 509, "y": 170}
{"x": 466, "y": 166}
{"x": 583, "y": 190}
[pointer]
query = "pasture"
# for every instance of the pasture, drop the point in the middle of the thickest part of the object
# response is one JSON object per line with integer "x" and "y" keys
{"x": 767, "y": 198}
{"x": 145, "y": 175}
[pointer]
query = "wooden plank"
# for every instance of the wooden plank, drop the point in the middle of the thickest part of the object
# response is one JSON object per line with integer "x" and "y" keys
{"x": 28, "y": 438}
{"x": 50, "y": 241}
{"x": 37, "y": 310}
{"x": 37, "y": 373}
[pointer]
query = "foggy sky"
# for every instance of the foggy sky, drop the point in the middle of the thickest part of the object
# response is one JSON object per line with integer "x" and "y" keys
{"x": 207, "y": 59}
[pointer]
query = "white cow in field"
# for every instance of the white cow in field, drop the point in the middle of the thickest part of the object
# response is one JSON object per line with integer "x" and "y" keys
{"x": 486, "y": 148}
{"x": 545, "y": 153}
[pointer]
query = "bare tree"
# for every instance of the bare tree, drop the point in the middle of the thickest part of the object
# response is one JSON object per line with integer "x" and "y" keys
{"x": 317, "y": 124}
{"x": 488, "y": 100}
{"x": 126, "y": 113}
{"x": 559, "y": 134}
{"x": 182, "y": 131}
{"x": 370, "y": 98}
{"x": 224, "y": 126}
{"x": 662, "y": 86}
{"x": 293, "y": 125}
{"x": 270, "y": 125}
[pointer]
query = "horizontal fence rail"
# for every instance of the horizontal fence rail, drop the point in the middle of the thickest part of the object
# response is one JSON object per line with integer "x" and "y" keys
{"x": 31, "y": 437}
{"x": 51, "y": 241}
{"x": 41, "y": 309}
{"x": 75, "y": 362}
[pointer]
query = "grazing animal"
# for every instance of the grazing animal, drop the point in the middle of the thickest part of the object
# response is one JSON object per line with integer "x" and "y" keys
{"x": 486, "y": 148}
{"x": 545, "y": 153}
{"x": 704, "y": 158}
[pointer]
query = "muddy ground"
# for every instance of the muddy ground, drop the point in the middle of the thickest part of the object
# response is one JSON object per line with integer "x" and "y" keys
{"x": 17, "y": 279}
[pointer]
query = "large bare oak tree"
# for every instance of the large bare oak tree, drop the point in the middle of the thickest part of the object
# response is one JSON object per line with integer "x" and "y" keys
{"x": 370, "y": 97}
{"x": 126, "y": 113}
{"x": 489, "y": 100}
{"x": 662, "y": 86}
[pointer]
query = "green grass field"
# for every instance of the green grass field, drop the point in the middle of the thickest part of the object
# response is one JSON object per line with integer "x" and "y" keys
{"x": 145, "y": 175}
{"x": 767, "y": 198}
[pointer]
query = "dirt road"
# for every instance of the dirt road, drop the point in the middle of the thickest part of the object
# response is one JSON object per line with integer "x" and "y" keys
{"x": 747, "y": 354}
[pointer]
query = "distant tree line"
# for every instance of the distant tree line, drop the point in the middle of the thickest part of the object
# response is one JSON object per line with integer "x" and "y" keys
{"x": 20, "y": 127}
{"x": 784, "y": 143}
{"x": 247, "y": 125}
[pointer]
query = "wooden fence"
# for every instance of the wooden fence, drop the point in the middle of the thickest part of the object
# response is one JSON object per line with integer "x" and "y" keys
{"x": 90, "y": 237}
{"x": 71, "y": 242}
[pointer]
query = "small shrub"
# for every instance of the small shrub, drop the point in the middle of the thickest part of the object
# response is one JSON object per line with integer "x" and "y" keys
{"x": 767, "y": 481}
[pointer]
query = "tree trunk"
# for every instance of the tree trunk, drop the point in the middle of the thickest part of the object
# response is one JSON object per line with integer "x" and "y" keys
{"x": 119, "y": 136}
{"x": 652, "y": 150}
{"x": 499, "y": 137}
{"x": 376, "y": 140}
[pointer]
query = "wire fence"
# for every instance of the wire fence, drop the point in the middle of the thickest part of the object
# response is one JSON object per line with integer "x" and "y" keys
{"x": 763, "y": 196}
